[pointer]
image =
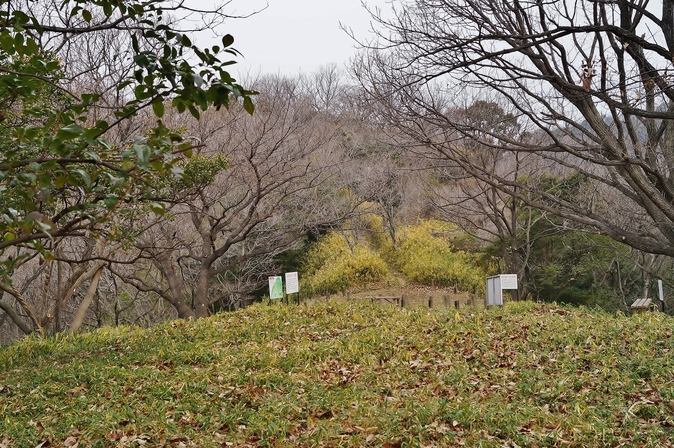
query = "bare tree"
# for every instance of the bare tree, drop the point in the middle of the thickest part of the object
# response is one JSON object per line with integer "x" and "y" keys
{"x": 45, "y": 293}
{"x": 279, "y": 183}
{"x": 589, "y": 82}
{"x": 326, "y": 89}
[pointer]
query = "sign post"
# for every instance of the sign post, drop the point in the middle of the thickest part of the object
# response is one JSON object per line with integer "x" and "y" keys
{"x": 494, "y": 294}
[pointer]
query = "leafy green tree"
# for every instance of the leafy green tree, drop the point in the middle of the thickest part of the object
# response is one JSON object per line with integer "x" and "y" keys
{"x": 64, "y": 169}
{"x": 581, "y": 268}
{"x": 332, "y": 265}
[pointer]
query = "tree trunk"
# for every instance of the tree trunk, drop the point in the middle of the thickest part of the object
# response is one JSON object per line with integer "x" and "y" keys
{"x": 24, "y": 304}
{"x": 15, "y": 317}
{"x": 86, "y": 302}
{"x": 201, "y": 294}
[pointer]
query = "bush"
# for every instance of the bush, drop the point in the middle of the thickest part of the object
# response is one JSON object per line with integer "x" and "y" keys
{"x": 330, "y": 266}
{"x": 426, "y": 256}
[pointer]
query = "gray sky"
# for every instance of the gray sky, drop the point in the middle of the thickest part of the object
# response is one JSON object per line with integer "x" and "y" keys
{"x": 293, "y": 36}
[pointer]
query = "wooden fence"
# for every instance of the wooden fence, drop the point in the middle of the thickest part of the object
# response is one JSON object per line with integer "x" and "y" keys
{"x": 433, "y": 302}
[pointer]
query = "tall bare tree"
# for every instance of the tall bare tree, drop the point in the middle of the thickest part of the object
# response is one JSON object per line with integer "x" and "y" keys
{"x": 273, "y": 178}
{"x": 589, "y": 82}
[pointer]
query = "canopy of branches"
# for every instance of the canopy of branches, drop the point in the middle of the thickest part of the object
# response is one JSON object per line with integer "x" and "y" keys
{"x": 589, "y": 83}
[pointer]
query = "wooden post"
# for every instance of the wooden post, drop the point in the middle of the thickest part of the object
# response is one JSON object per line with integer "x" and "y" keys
{"x": 430, "y": 301}
{"x": 403, "y": 300}
{"x": 456, "y": 304}
{"x": 447, "y": 300}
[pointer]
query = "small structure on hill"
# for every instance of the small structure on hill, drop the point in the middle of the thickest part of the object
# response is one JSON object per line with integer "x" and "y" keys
{"x": 495, "y": 286}
{"x": 641, "y": 305}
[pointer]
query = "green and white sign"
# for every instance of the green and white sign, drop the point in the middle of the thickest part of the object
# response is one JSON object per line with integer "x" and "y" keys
{"x": 276, "y": 287}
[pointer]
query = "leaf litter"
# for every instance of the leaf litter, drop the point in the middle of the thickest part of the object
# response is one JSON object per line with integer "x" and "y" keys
{"x": 349, "y": 374}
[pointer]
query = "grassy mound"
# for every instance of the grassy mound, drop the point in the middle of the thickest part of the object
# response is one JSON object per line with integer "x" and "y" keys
{"x": 349, "y": 374}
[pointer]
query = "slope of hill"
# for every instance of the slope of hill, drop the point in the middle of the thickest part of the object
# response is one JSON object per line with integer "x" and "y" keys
{"x": 349, "y": 374}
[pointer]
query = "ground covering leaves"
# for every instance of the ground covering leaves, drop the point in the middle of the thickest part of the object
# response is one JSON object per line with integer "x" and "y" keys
{"x": 349, "y": 374}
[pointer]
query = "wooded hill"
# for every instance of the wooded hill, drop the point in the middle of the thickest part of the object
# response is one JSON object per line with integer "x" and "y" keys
{"x": 140, "y": 182}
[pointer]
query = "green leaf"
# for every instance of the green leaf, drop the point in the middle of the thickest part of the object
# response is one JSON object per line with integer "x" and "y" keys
{"x": 32, "y": 46}
{"x": 158, "y": 108}
{"x": 86, "y": 15}
{"x": 37, "y": 25}
{"x": 193, "y": 110}
{"x": 6, "y": 41}
{"x": 111, "y": 201}
{"x": 227, "y": 40}
{"x": 29, "y": 177}
{"x": 248, "y": 105}
{"x": 115, "y": 181}
{"x": 142, "y": 152}
{"x": 18, "y": 43}
{"x": 107, "y": 9}
{"x": 198, "y": 80}
{"x": 75, "y": 10}
{"x": 88, "y": 98}
{"x": 85, "y": 177}
{"x": 134, "y": 43}
{"x": 46, "y": 225}
{"x": 157, "y": 208}
{"x": 70, "y": 132}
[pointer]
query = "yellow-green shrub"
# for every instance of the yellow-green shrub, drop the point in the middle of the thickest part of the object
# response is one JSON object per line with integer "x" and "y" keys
{"x": 426, "y": 256}
{"x": 330, "y": 266}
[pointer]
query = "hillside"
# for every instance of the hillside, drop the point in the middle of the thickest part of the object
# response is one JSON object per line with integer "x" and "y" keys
{"x": 349, "y": 374}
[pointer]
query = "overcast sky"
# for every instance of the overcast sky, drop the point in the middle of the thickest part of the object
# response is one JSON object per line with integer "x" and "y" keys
{"x": 293, "y": 36}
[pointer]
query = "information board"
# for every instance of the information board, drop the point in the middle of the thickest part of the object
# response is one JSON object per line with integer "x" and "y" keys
{"x": 276, "y": 287}
{"x": 292, "y": 283}
{"x": 508, "y": 281}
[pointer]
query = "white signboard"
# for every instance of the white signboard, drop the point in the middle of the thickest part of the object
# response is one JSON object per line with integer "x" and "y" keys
{"x": 508, "y": 281}
{"x": 276, "y": 287}
{"x": 292, "y": 283}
